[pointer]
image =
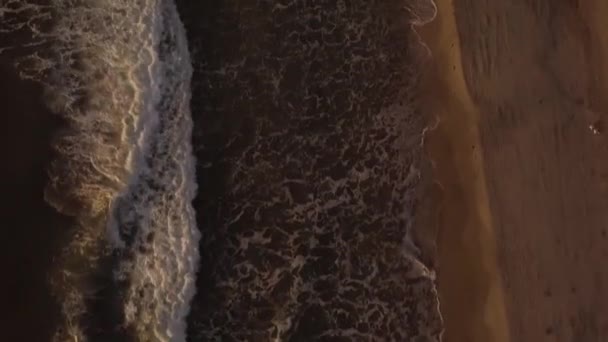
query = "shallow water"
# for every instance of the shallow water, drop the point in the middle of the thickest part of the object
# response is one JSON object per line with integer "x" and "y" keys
{"x": 308, "y": 144}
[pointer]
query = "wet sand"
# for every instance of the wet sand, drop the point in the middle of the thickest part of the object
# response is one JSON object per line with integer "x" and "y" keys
{"x": 468, "y": 278}
{"x": 517, "y": 86}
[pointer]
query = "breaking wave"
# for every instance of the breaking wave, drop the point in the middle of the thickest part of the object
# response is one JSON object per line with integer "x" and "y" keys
{"x": 118, "y": 73}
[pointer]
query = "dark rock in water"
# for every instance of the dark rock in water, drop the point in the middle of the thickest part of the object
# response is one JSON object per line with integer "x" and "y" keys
{"x": 308, "y": 148}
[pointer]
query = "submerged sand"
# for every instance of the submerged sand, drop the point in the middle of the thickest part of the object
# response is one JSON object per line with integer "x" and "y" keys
{"x": 520, "y": 156}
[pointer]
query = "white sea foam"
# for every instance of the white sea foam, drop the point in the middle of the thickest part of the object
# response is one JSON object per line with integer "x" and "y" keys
{"x": 164, "y": 245}
{"x": 119, "y": 73}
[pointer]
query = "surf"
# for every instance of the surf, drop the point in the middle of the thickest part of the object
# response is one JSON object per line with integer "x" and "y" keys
{"x": 118, "y": 74}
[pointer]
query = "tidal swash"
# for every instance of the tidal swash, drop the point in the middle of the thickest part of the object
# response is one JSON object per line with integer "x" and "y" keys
{"x": 235, "y": 170}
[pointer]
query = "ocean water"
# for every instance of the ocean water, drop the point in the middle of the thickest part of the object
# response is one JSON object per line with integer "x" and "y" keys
{"x": 118, "y": 72}
{"x": 237, "y": 171}
{"x": 305, "y": 117}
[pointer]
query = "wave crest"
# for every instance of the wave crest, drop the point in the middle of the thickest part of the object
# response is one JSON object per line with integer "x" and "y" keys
{"x": 118, "y": 73}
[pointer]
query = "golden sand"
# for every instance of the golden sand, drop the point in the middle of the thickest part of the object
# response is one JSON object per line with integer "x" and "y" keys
{"x": 468, "y": 277}
{"x": 521, "y": 88}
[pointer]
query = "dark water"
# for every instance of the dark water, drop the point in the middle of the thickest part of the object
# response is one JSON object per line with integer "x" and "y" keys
{"x": 308, "y": 147}
{"x": 31, "y": 229}
{"x": 307, "y": 141}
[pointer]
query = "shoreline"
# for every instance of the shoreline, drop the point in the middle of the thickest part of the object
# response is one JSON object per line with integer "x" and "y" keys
{"x": 467, "y": 271}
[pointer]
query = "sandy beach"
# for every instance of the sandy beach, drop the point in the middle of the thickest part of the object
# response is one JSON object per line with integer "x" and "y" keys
{"x": 520, "y": 158}
{"x": 468, "y": 277}
{"x": 514, "y": 218}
